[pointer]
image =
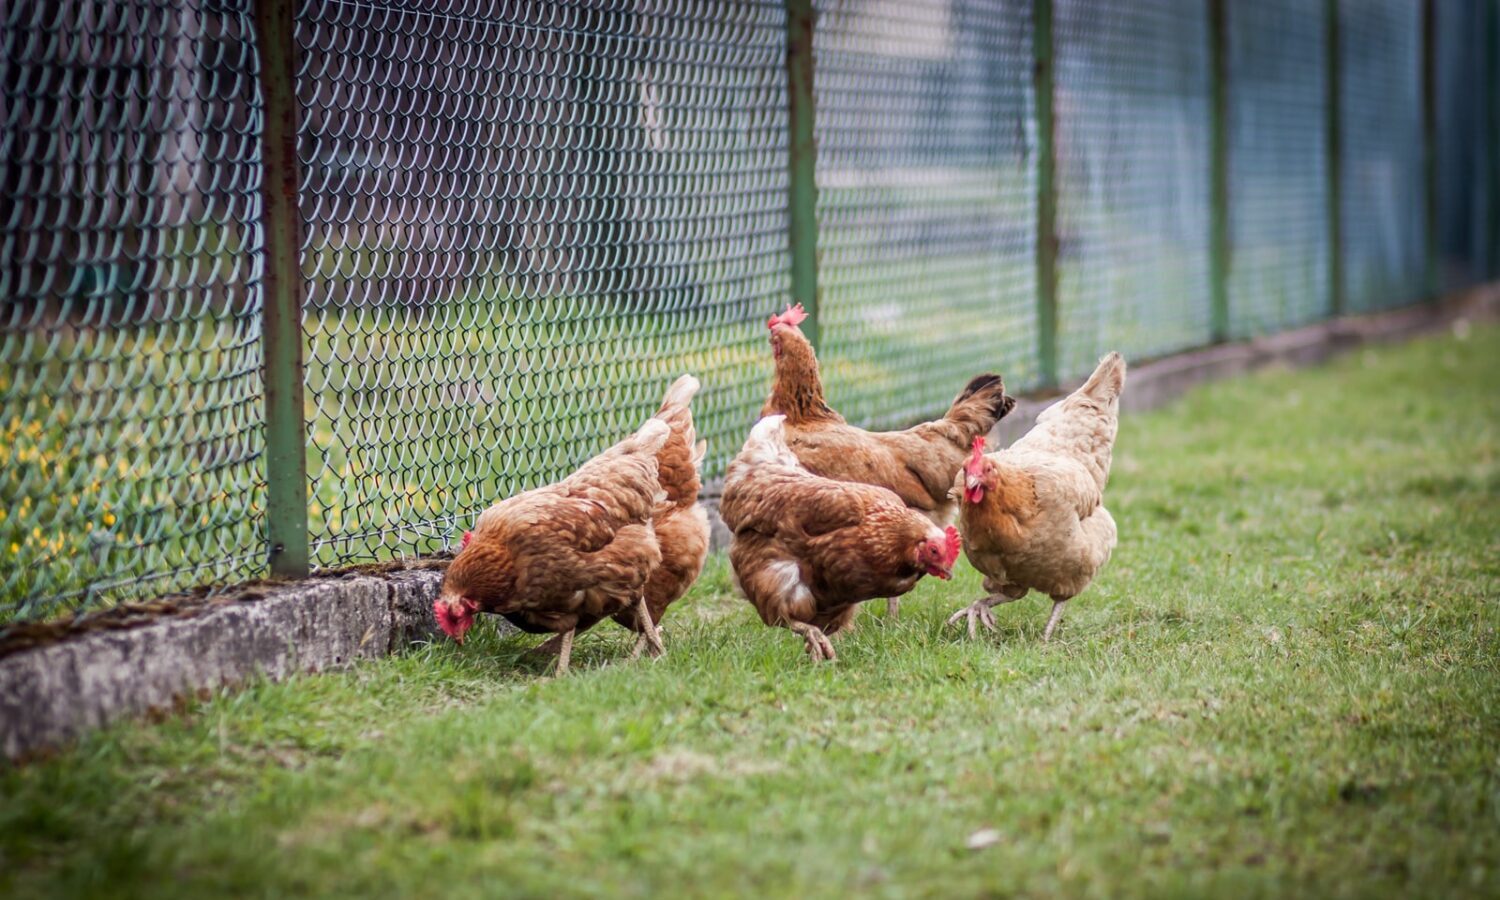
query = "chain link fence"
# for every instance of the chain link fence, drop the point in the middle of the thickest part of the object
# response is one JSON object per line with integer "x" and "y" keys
{"x": 522, "y": 222}
{"x": 1278, "y": 165}
{"x": 1383, "y": 195}
{"x": 518, "y": 221}
{"x": 130, "y": 402}
{"x": 1133, "y": 119}
{"x": 926, "y": 202}
{"x": 1467, "y": 140}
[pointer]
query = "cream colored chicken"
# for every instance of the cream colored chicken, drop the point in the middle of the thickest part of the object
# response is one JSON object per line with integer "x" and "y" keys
{"x": 1033, "y": 515}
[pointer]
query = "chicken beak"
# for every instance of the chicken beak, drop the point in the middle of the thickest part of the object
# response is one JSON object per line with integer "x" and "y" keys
{"x": 973, "y": 488}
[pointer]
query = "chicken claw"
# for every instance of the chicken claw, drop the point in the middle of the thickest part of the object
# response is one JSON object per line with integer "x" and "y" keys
{"x": 980, "y": 610}
{"x": 977, "y": 611}
{"x": 819, "y": 647}
{"x": 642, "y": 642}
{"x": 649, "y": 632}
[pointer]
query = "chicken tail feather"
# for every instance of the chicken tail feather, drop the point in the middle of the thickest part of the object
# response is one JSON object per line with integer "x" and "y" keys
{"x": 981, "y": 404}
{"x": 767, "y": 443}
{"x": 1108, "y": 379}
{"x": 649, "y": 438}
{"x": 678, "y": 466}
{"x": 679, "y": 395}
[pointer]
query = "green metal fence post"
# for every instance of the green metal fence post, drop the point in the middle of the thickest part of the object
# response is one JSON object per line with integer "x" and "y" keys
{"x": 802, "y": 163}
{"x": 1218, "y": 62}
{"x": 1046, "y": 193}
{"x": 1430, "y": 143}
{"x": 286, "y": 454}
{"x": 1335, "y": 163}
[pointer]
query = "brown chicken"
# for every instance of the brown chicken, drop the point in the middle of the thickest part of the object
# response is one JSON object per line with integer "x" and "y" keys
{"x": 681, "y": 524}
{"x": 807, "y": 549}
{"x": 1033, "y": 515}
{"x": 576, "y": 551}
{"x": 918, "y": 463}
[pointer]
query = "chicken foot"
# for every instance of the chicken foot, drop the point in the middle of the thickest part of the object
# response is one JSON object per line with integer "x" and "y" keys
{"x": 979, "y": 611}
{"x": 1057, "y": 611}
{"x": 650, "y": 639}
{"x": 819, "y": 647}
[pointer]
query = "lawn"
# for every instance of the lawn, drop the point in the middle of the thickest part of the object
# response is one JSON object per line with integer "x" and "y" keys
{"x": 1286, "y": 682}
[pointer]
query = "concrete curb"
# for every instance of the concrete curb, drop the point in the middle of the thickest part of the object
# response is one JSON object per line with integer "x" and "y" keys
{"x": 52, "y": 693}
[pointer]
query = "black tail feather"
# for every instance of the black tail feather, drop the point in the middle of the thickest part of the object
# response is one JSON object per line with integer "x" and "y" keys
{"x": 1003, "y": 403}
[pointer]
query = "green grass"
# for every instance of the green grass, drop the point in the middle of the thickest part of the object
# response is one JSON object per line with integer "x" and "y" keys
{"x": 1286, "y": 682}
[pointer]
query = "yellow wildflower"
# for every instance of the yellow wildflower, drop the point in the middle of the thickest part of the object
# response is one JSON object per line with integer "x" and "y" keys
{"x": 109, "y": 518}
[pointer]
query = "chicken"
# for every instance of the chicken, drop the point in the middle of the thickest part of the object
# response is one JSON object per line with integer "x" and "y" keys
{"x": 1033, "y": 516}
{"x": 579, "y": 550}
{"x": 681, "y": 524}
{"x": 918, "y": 463}
{"x": 808, "y": 549}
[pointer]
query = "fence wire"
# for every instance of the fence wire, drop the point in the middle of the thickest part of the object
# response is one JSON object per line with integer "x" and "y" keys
{"x": 1383, "y": 195}
{"x": 130, "y": 405}
{"x": 926, "y": 201}
{"x": 521, "y": 220}
{"x": 1132, "y": 107}
{"x": 1278, "y": 165}
{"x": 1466, "y": 104}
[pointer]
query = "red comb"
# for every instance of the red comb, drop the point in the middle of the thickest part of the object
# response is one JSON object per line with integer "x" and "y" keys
{"x": 468, "y": 536}
{"x": 951, "y": 547}
{"x": 972, "y": 467}
{"x": 794, "y": 315}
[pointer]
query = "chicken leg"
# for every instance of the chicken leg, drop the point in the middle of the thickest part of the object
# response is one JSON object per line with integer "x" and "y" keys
{"x": 1057, "y": 611}
{"x": 979, "y": 611}
{"x": 818, "y": 645}
{"x": 564, "y": 651}
{"x": 650, "y": 639}
{"x": 892, "y": 608}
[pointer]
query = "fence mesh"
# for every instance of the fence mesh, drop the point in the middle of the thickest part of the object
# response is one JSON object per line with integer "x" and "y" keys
{"x": 926, "y": 201}
{"x": 1383, "y": 195}
{"x": 130, "y": 403}
{"x": 1132, "y": 107}
{"x": 1466, "y": 97}
{"x": 522, "y": 220}
{"x": 1278, "y": 164}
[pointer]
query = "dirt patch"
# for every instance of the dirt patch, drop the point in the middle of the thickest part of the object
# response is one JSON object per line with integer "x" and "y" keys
{"x": 688, "y": 765}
